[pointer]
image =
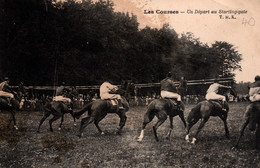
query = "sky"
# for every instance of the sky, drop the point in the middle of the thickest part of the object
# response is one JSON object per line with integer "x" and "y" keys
{"x": 242, "y": 32}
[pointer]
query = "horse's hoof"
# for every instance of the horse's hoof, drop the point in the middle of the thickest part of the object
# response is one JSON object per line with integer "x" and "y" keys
{"x": 167, "y": 137}
{"x": 187, "y": 138}
{"x": 59, "y": 129}
{"x": 193, "y": 141}
{"x": 234, "y": 148}
{"x": 75, "y": 124}
{"x": 15, "y": 127}
{"x": 102, "y": 133}
{"x": 139, "y": 140}
{"x": 80, "y": 135}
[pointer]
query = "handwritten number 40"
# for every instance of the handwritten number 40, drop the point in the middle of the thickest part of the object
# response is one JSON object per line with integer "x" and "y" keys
{"x": 250, "y": 22}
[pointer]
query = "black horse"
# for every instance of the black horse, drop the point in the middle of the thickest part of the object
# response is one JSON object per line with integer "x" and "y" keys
{"x": 16, "y": 103}
{"x": 98, "y": 109}
{"x": 204, "y": 110}
{"x": 253, "y": 108}
{"x": 57, "y": 109}
{"x": 161, "y": 108}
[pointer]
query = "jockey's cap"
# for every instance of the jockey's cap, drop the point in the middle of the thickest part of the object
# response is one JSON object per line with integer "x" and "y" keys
{"x": 62, "y": 83}
{"x": 6, "y": 78}
{"x": 257, "y": 78}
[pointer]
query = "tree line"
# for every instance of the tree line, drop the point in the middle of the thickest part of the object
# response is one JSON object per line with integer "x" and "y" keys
{"x": 44, "y": 42}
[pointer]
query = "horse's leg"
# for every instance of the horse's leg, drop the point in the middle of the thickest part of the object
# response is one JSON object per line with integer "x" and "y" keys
{"x": 243, "y": 127}
{"x": 46, "y": 115}
{"x": 148, "y": 117}
{"x": 74, "y": 119}
{"x": 122, "y": 121}
{"x": 97, "y": 121}
{"x": 162, "y": 116}
{"x": 190, "y": 125}
{"x": 224, "y": 119}
{"x": 84, "y": 123}
{"x": 55, "y": 117}
{"x": 203, "y": 121}
{"x": 14, "y": 120}
{"x": 61, "y": 121}
{"x": 171, "y": 128}
{"x": 257, "y": 136}
{"x": 181, "y": 115}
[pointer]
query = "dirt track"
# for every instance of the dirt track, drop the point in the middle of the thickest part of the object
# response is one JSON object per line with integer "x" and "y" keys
{"x": 26, "y": 148}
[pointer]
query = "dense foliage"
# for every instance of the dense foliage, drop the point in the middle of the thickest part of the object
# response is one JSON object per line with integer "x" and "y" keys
{"x": 43, "y": 42}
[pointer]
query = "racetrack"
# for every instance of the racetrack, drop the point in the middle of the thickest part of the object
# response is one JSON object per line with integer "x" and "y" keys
{"x": 26, "y": 148}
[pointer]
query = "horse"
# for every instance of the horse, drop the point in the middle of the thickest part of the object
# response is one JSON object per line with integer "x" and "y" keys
{"x": 253, "y": 110}
{"x": 98, "y": 109}
{"x": 16, "y": 103}
{"x": 204, "y": 109}
{"x": 57, "y": 109}
{"x": 161, "y": 108}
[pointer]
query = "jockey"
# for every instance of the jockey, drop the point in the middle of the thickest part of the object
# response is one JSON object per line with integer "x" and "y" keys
{"x": 61, "y": 93}
{"x": 4, "y": 87}
{"x": 254, "y": 96}
{"x": 169, "y": 89}
{"x": 105, "y": 93}
{"x": 254, "y": 92}
{"x": 212, "y": 92}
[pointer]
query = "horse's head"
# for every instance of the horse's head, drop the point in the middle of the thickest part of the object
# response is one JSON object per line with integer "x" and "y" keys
{"x": 127, "y": 89}
{"x": 227, "y": 92}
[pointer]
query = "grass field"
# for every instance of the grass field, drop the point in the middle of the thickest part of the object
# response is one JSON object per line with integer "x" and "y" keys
{"x": 26, "y": 148}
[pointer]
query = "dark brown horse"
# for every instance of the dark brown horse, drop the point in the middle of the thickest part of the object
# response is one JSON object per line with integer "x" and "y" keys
{"x": 204, "y": 110}
{"x": 98, "y": 109}
{"x": 161, "y": 108}
{"x": 16, "y": 103}
{"x": 57, "y": 109}
{"x": 253, "y": 108}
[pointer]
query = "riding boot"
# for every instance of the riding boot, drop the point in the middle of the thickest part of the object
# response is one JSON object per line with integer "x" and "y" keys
{"x": 120, "y": 105}
{"x": 223, "y": 106}
{"x": 9, "y": 101}
{"x": 178, "y": 105}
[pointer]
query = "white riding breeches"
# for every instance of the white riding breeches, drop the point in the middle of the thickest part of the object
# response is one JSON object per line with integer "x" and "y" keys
{"x": 215, "y": 96}
{"x": 61, "y": 98}
{"x": 254, "y": 98}
{"x": 166, "y": 94}
{"x": 109, "y": 96}
{"x": 6, "y": 94}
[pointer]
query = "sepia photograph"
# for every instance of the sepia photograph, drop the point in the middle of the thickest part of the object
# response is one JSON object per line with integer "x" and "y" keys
{"x": 129, "y": 83}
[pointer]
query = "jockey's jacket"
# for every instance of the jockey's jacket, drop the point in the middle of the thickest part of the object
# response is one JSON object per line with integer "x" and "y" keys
{"x": 106, "y": 87}
{"x": 168, "y": 84}
{"x": 214, "y": 88}
{"x": 254, "y": 88}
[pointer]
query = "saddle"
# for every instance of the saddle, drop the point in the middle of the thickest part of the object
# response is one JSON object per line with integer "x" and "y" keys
{"x": 172, "y": 102}
{"x": 216, "y": 103}
{"x": 114, "y": 102}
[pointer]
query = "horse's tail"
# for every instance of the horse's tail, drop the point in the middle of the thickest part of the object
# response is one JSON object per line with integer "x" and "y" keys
{"x": 194, "y": 113}
{"x": 82, "y": 111}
